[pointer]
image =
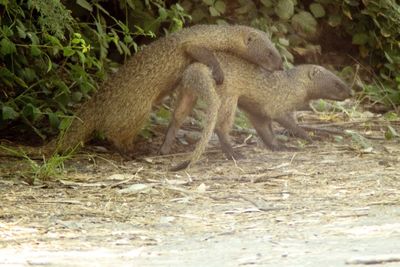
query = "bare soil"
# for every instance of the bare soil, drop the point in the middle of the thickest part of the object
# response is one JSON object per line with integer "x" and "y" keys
{"x": 335, "y": 202}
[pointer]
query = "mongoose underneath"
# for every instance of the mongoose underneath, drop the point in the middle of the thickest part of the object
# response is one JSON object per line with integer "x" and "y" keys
{"x": 262, "y": 95}
{"x": 122, "y": 106}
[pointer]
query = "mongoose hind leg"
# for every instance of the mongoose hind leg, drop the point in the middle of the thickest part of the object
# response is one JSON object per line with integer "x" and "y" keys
{"x": 226, "y": 116}
{"x": 263, "y": 126}
{"x": 288, "y": 122}
{"x": 198, "y": 78}
{"x": 184, "y": 105}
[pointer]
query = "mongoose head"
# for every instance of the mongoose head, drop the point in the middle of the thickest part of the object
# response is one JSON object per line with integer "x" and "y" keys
{"x": 325, "y": 84}
{"x": 258, "y": 49}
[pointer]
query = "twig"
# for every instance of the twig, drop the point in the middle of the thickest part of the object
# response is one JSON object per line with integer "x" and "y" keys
{"x": 338, "y": 123}
{"x": 314, "y": 128}
{"x": 127, "y": 180}
{"x": 374, "y": 259}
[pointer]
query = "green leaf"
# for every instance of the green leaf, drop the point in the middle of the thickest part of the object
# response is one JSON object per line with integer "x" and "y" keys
{"x": 32, "y": 112}
{"x": 102, "y": 9}
{"x": 7, "y": 47}
{"x": 21, "y": 32}
{"x": 266, "y": 3}
{"x": 346, "y": 11}
{"x": 220, "y": 6}
{"x": 352, "y": 2}
{"x": 334, "y": 20}
{"x": 283, "y": 41}
{"x": 209, "y": 2}
{"x": 64, "y": 124}
{"x": 9, "y": 113}
{"x": 284, "y": 9}
{"x": 198, "y": 14}
{"x": 390, "y": 133}
{"x": 68, "y": 51}
{"x": 34, "y": 38}
{"x": 385, "y": 32}
{"x": 53, "y": 40}
{"x": 4, "y": 2}
{"x": 305, "y": 22}
{"x": 360, "y": 38}
{"x": 28, "y": 74}
{"x": 77, "y": 96}
{"x": 128, "y": 39}
{"x": 392, "y": 116}
{"x": 358, "y": 139}
{"x": 124, "y": 48}
{"x": 53, "y": 119}
{"x": 317, "y": 10}
{"x": 85, "y": 4}
{"x": 6, "y": 31}
{"x": 162, "y": 13}
{"x": 213, "y": 11}
{"x": 35, "y": 50}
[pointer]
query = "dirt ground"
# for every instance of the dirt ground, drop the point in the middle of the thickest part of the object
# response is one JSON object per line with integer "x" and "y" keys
{"x": 335, "y": 202}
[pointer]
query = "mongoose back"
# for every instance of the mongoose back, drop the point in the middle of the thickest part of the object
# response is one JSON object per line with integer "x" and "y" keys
{"x": 120, "y": 109}
{"x": 264, "y": 96}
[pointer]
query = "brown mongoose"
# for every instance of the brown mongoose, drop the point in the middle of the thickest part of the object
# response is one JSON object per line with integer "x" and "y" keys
{"x": 124, "y": 102}
{"x": 262, "y": 95}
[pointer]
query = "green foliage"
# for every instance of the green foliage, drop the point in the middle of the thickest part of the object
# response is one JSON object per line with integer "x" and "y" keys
{"x": 40, "y": 170}
{"x": 54, "y": 55}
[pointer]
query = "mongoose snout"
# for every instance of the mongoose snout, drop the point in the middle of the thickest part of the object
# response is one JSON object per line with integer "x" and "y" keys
{"x": 329, "y": 85}
{"x": 262, "y": 52}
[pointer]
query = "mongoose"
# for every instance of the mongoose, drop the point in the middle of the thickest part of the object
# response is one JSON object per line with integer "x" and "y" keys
{"x": 262, "y": 95}
{"x": 120, "y": 109}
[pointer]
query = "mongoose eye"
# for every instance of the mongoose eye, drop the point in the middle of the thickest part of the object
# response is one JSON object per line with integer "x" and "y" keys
{"x": 313, "y": 72}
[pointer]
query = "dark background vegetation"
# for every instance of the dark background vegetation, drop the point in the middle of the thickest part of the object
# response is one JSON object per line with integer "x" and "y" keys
{"x": 54, "y": 54}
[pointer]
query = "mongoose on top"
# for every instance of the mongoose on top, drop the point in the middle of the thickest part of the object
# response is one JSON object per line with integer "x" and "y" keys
{"x": 122, "y": 106}
{"x": 264, "y": 97}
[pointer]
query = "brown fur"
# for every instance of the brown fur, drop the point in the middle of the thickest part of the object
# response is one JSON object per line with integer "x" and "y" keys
{"x": 262, "y": 95}
{"x": 122, "y": 106}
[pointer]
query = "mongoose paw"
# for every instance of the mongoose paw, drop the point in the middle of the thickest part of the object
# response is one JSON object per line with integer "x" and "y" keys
{"x": 164, "y": 150}
{"x": 180, "y": 166}
{"x": 218, "y": 75}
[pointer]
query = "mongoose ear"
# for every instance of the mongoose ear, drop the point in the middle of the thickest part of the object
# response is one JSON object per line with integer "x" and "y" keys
{"x": 314, "y": 71}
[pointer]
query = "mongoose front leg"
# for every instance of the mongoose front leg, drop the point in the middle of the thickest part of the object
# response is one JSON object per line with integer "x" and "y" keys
{"x": 184, "y": 105}
{"x": 288, "y": 122}
{"x": 263, "y": 126}
{"x": 226, "y": 116}
{"x": 207, "y": 57}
